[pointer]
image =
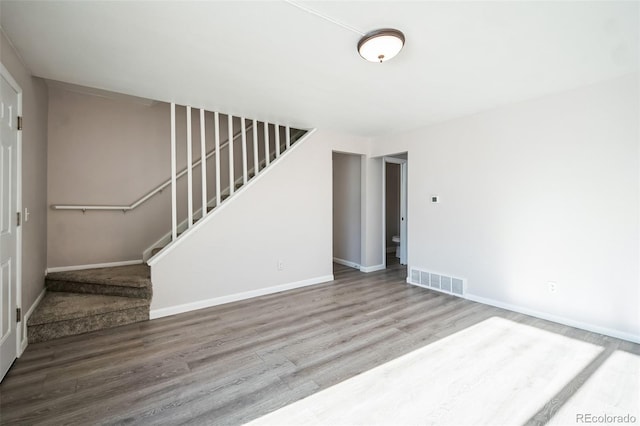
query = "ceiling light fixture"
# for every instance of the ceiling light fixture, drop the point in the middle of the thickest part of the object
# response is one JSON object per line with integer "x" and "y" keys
{"x": 381, "y": 45}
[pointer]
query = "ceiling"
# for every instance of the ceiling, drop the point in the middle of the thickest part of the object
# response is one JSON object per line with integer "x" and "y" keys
{"x": 273, "y": 61}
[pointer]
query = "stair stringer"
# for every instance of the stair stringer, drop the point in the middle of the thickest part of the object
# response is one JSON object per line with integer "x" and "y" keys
{"x": 274, "y": 235}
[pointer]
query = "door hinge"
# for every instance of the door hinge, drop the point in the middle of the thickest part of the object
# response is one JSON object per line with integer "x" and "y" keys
{"x": 18, "y": 314}
{"x": 18, "y": 219}
{"x": 19, "y": 122}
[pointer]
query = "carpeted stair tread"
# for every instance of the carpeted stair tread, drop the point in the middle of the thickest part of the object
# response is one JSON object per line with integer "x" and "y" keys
{"x": 138, "y": 276}
{"x": 58, "y": 306}
{"x": 125, "y": 281}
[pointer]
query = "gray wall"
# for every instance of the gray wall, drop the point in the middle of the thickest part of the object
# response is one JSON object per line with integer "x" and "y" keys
{"x": 105, "y": 151}
{"x": 392, "y": 198}
{"x": 347, "y": 200}
{"x": 107, "y": 148}
{"x": 34, "y": 173}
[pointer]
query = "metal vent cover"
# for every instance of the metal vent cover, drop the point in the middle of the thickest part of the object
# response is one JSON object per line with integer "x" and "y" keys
{"x": 439, "y": 282}
{"x": 424, "y": 278}
{"x": 457, "y": 286}
{"x": 435, "y": 281}
{"x": 445, "y": 283}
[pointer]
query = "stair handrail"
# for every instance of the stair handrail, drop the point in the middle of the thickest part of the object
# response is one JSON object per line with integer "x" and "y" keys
{"x": 151, "y": 193}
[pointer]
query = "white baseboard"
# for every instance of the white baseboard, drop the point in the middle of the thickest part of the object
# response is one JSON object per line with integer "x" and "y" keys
{"x": 93, "y": 266}
{"x": 187, "y": 307}
{"x": 558, "y": 319}
{"x": 346, "y": 263}
{"x": 373, "y": 268}
{"x": 25, "y": 320}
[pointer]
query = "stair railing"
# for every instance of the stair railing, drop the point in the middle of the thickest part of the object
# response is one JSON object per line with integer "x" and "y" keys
{"x": 234, "y": 183}
{"x": 222, "y": 193}
{"x": 244, "y": 152}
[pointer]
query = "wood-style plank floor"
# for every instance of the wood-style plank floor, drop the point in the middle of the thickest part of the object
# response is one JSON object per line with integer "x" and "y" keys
{"x": 234, "y": 363}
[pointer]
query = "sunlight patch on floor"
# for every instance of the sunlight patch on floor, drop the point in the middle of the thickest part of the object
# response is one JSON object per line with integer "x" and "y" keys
{"x": 613, "y": 390}
{"x": 495, "y": 372}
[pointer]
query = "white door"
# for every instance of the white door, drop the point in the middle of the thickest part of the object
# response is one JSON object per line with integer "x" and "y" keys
{"x": 8, "y": 223}
{"x": 403, "y": 213}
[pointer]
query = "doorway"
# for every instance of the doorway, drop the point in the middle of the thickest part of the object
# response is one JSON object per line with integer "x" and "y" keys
{"x": 10, "y": 236}
{"x": 347, "y": 210}
{"x": 394, "y": 215}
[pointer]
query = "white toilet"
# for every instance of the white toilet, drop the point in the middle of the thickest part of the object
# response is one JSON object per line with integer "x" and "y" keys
{"x": 396, "y": 240}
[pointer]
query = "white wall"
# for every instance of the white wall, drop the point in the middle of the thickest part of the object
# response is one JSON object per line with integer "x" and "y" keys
{"x": 372, "y": 236}
{"x": 544, "y": 190}
{"x": 34, "y": 174}
{"x": 286, "y": 214}
{"x": 347, "y": 199}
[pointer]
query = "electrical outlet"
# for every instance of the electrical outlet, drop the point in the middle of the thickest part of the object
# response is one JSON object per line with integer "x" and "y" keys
{"x": 552, "y": 286}
{"x": 280, "y": 265}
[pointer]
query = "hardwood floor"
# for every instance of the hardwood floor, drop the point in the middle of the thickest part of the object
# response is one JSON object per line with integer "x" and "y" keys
{"x": 237, "y": 362}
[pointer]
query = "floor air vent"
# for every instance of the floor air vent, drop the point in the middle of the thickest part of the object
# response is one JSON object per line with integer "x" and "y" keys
{"x": 443, "y": 283}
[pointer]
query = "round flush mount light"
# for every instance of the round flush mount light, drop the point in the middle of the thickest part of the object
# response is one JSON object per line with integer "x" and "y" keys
{"x": 381, "y": 45}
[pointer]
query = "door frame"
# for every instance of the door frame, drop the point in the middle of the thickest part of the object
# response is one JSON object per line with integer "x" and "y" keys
{"x": 403, "y": 208}
{"x": 21, "y": 327}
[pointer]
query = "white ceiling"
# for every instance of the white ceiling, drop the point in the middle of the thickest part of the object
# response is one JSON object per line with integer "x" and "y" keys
{"x": 271, "y": 60}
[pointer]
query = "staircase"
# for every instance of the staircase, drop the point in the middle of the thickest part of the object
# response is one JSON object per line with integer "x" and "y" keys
{"x": 92, "y": 299}
{"x": 88, "y": 300}
{"x": 263, "y": 162}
